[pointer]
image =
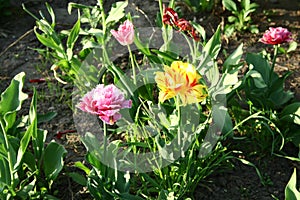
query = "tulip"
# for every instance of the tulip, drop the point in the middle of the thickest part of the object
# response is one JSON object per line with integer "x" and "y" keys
{"x": 105, "y": 102}
{"x": 180, "y": 79}
{"x": 125, "y": 33}
{"x": 276, "y": 36}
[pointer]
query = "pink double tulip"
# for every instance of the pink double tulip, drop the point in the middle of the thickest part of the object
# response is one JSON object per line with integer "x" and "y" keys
{"x": 276, "y": 36}
{"x": 125, "y": 33}
{"x": 106, "y": 102}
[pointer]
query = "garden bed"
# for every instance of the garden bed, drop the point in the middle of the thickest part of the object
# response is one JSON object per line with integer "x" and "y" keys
{"x": 18, "y": 42}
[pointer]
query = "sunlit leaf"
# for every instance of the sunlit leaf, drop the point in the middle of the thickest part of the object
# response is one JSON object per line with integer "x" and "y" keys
{"x": 291, "y": 192}
{"x": 117, "y": 12}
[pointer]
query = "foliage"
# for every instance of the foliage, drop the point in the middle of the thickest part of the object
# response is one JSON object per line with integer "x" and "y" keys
{"x": 200, "y": 5}
{"x": 28, "y": 168}
{"x": 182, "y": 137}
{"x": 291, "y": 192}
{"x": 240, "y": 20}
{"x": 4, "y": 4}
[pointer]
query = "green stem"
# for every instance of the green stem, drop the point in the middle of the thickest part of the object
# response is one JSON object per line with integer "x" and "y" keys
{"x": 10, "y": 164}
{"x": 132, "y": 64}
{"x": 172, "y": 4}
{"x": 161, "y": 9}
{"x": 273, "y": 63}
{"x": 179, "y": 124}
{"x": 105, "y": 140}
{"x": 100, "y": 3}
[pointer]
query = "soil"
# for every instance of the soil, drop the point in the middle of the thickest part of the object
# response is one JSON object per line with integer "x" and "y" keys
{"x": 17, "y": 54}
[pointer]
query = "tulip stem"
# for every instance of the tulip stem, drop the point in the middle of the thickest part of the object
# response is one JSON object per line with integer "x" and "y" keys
{"x": 177, "y": 100}
{"x": 105, "y": 140}
{"x": 273, "y": 63}
{"x": 132, "y": 64}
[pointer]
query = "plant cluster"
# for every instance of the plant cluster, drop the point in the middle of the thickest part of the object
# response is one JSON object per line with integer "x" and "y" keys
{"x": 28, "y": 167}
{"x": 157, "y": 127}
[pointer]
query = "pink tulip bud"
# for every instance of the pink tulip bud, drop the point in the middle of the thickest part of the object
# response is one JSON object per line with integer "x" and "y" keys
{"x": 125, "y": 33}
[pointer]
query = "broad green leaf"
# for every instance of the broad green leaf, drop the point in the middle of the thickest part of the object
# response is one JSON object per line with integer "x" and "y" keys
{"x": 292, "y": 47}
{"x": 78, "y": 178}
{"x": 260, "y": 64}
{"x": 31, "y": 130}
{"x": 4, "y": 171}
{"x": 53, "y": 160}
{"x": 234, "y": 58}
{"x": 291, "y": 113}
{"x": 229, "y": 5}
{"x": 291, "y": 192}
{"x": 12, "y": 97}
{"x": 117, "y": 12}
{"x": 11, "y": 100}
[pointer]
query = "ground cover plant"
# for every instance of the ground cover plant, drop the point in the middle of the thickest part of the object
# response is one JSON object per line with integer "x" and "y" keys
{"x": 165, "y": 118}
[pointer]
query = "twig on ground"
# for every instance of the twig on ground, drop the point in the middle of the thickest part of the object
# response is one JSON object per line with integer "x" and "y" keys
{"x": 16, "y": 41}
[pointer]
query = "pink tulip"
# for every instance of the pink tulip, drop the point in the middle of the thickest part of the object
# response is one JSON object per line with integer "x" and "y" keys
{"x": 275, "y": 36}
{"x": 125, "y": 33}
{"x": 106, "y": 102}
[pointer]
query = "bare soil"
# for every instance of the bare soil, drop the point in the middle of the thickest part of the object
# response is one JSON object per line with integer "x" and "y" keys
{"x": 17, "y": 54}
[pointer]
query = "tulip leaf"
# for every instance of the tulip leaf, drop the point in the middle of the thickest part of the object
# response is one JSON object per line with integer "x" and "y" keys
{"x": 117, "y": 12}
{"x": 291, "y": 192}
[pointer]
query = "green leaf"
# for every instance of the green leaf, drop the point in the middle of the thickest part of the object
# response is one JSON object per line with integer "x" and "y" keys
{"x": 291, "y": 192}
{"x": 73, "y": 35}
{"x": 81, "y": 166}
{"x": 260, "y": 64}
{"x": 79, "y": 6}
{"x": 229, "y": 5}
{"x": 31, "y": 130}
{"x": 257, "y": 78}
{"x": 49, "y": 42}
{"x": 234, "y": 58}
{"x": 292, "y": 47}
{"x": 213, "y": 46}
{"x": 46, "y": 117}
{"x": 291, "y": 113}
{"x": 53, "y": 160}
{"x": 52, "y": 15}
{"x": 200, "y": 30}
{"x": 117, "y": 12}
{"x": 78, "y": 178}
{"x": 11, "y": 100}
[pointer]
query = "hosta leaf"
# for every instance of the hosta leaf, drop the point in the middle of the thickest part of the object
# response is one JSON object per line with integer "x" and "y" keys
{"x": 11, "y": 100}
{"x": 53, "y": 160}
{"x": 291, "y": 113}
